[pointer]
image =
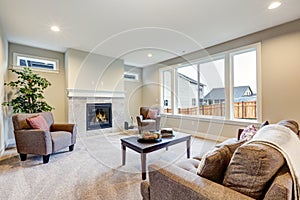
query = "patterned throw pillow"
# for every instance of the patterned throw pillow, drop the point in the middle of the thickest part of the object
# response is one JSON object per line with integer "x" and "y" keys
{"x": 248, "y": 133}
{"x": 152, "y": 114}
{"x": 37, "y": 122}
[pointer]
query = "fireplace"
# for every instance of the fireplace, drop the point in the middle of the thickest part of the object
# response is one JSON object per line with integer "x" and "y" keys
{"x": 98, "y": 116}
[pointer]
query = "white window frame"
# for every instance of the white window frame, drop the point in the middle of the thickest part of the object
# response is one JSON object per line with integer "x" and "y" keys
{"x": 52, "y": 60}
{"x": 229, "y": 101}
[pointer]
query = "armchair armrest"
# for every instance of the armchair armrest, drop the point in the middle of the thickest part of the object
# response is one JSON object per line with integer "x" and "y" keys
{"x": 169, "y": 181}
{"x": 33, "y": 141}
{"x": 72, "y": 128}
{"x": 158, "y": 122}
{"x": 139, "y": 119}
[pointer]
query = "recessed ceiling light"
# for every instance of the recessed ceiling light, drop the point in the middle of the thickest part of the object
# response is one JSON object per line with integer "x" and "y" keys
{"x": 55, "y": 28}
{"x": 149, "y": 55}
{"x": 274, "y": 5}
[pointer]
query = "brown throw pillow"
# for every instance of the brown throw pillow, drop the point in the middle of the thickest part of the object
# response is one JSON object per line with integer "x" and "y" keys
{"x": 251, "y": 168}
{"x": 214, "y": 163}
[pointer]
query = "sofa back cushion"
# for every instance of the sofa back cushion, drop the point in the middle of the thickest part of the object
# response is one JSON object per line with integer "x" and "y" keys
{"x": 19, "y": 120}
{"x": 251, "y": 168}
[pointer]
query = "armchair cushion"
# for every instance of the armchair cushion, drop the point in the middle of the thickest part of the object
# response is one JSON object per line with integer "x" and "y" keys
{"x": 60, "y": 140}
{"x": 37, "y": 122}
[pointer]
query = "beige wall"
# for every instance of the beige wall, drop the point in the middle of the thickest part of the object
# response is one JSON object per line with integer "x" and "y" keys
{"x": 3, "y": 69}
{"x": 89, "y": 71}
{"x": 280, "y": 68}
{"x": 151, "y": 86}
{"x": 55, "y": 94}
{"x": 133, "y": 94}
{"x": 281, "y": 77}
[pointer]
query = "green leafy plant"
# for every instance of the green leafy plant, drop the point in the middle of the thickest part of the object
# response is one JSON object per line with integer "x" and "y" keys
{"x": 29, "y": 96}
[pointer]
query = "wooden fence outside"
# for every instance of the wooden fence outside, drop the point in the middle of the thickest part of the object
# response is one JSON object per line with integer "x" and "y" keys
{"x": 242, "y": 110}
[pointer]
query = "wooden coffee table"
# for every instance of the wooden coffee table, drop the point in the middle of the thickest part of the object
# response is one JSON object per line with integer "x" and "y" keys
{"x": 144, "y": 148}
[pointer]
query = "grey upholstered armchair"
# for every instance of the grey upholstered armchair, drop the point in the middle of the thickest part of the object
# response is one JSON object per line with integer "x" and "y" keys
{"x": 40, "y": 141}
{"x": 149, "y": 119}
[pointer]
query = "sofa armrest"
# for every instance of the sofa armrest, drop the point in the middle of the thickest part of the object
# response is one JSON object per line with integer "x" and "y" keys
{"x": 145, "y": 190}
{"x": 72, "y": 128}
{"x": 169, "y": 181}
{"x": 33, "y": 141}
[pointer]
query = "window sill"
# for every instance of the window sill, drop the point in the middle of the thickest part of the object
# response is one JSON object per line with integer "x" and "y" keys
{"x": 35, "y": 69}
{"x": 213, "y": 119}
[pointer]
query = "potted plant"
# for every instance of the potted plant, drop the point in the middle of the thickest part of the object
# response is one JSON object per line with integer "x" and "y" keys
{"x": 29, "y": 96}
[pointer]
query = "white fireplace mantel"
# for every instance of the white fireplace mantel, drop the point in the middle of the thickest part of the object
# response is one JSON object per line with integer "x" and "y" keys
{"x": 95, "y": 93}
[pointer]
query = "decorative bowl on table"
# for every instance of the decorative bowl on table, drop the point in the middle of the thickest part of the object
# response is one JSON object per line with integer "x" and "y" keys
{"x": 149, "y": 136}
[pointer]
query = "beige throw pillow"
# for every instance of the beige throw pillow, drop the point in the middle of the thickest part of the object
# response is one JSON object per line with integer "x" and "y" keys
{"x": 152, "y": 114}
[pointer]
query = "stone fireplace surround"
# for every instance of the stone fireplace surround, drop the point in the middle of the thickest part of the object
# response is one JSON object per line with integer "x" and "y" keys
{"x": 77, "y": 100}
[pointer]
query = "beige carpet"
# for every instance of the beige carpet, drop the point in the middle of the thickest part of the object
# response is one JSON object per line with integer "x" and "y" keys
{"x": 92, "y": 171}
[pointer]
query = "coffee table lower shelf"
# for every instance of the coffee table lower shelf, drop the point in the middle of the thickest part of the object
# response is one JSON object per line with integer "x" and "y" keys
{"x": 144, "y": 148}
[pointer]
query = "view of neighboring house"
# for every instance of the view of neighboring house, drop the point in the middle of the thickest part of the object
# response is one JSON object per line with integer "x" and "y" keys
{"x": 186, "y": 92}
{"x": 217, "y": 95}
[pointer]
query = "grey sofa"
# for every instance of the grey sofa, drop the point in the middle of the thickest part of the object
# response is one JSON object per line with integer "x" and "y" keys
{"x": 245, "y": 176}
{"x": 42, "y": 142}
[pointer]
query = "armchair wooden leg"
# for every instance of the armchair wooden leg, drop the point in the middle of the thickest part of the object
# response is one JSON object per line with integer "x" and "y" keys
{"x": 71, "y": 148}
{"x": 23, "y": 157}
{"x": 46, "y": 158}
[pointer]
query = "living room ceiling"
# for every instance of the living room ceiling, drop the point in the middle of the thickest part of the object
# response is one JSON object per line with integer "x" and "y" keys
{"x": 132, "y": 29}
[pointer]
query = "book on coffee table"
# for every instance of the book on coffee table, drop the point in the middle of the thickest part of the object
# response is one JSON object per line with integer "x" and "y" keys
{"x": 166, "y": 132}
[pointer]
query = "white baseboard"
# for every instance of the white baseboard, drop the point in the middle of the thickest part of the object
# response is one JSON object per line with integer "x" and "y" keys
{"x": 203, "y": 135}
{"x": 11, "y": 142}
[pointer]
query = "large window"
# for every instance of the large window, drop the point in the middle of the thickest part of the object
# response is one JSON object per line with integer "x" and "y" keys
{"x": 22, "y": 60}
{"x": 223, "y": 85}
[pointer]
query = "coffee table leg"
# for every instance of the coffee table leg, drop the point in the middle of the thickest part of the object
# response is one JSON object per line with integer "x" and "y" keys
{"x": 143, "y": 162}
{"x": 188, "y": 148}
{"x": 123, "y": 154}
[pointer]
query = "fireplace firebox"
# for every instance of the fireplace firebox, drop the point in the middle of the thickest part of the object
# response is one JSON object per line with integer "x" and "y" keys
{"x": 98, "y": 116}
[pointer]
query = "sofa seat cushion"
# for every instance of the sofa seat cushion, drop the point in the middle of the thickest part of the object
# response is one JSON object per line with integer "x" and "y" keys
{"x": 251, "y": 168}
{"x": 60, "y": 140}
{"x": 190, "y": 165}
